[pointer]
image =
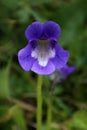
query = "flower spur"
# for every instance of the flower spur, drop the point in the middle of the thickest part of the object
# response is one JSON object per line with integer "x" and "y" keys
{"x": 62, "y": 73}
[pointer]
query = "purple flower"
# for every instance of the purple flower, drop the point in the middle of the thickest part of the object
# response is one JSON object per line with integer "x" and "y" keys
{"x": 67, "y": 70}
{"x": 62, "y": 73}
{"x": 42, "y": 54}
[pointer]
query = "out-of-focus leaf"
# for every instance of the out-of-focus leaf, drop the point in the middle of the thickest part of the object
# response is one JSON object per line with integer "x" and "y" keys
{"x": 9, "y": 4}
{"x": 18, "y": 116}
{"x": 4, "y": 82}
{"x": 23, "y": 15}
{"x": 7, "y": 115}
{"x": 3, "y": 110}
{"x": 39, "y": 1}
{"x": 37, "y": 16}
{"x": 79, "y": 120}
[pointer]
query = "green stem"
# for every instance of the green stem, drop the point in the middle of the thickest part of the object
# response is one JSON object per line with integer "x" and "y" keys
{"x": 49, "y": 114}
{"x": 49, "y": 110}
{"x": 39, "y": 102}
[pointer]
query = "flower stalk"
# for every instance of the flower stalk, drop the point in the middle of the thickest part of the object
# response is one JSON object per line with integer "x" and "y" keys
{"x": 39, "y": 102}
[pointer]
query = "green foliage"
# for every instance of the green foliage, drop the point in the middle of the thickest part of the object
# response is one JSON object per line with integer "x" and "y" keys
{"x": 70, "y": 97}
{"x": 79, "y": 120}
{"x": 18, "y": 116}
{"x": 4, "y": 82}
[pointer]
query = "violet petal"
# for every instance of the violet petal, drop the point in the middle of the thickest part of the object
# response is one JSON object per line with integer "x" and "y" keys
{"x": 66, "y": 70}
{"x": 52, "y": 30}
{"x": 61, "y": 57}
{"x": 34, "y": 31}
{"x": 43, "y": 70}
{"x": 25, "y": 59}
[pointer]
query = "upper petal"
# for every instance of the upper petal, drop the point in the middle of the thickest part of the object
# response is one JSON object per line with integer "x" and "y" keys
{"x": 50, "y": 68}
{"x": 34, "y": 31}
{"x": 25, "y": 59}
{"x": 51, "y": 30}
{"x": 61, "y": 57}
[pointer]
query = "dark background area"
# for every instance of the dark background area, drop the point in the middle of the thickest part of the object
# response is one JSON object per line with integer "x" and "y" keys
{"x": 18, "y": 88}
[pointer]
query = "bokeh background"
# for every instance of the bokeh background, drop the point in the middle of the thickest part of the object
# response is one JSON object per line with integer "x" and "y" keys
{"x": 18, "y": 88}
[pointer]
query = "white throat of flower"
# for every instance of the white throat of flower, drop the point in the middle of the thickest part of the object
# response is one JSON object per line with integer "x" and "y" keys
{"x": 43, "y": 52}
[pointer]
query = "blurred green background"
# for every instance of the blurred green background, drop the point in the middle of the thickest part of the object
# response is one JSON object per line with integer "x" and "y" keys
{"x": 18, "y": 88}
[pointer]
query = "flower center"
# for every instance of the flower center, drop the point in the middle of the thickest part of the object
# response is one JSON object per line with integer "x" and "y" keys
{"x": 43, "y": 41}
{"x": 43, "y": 52}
